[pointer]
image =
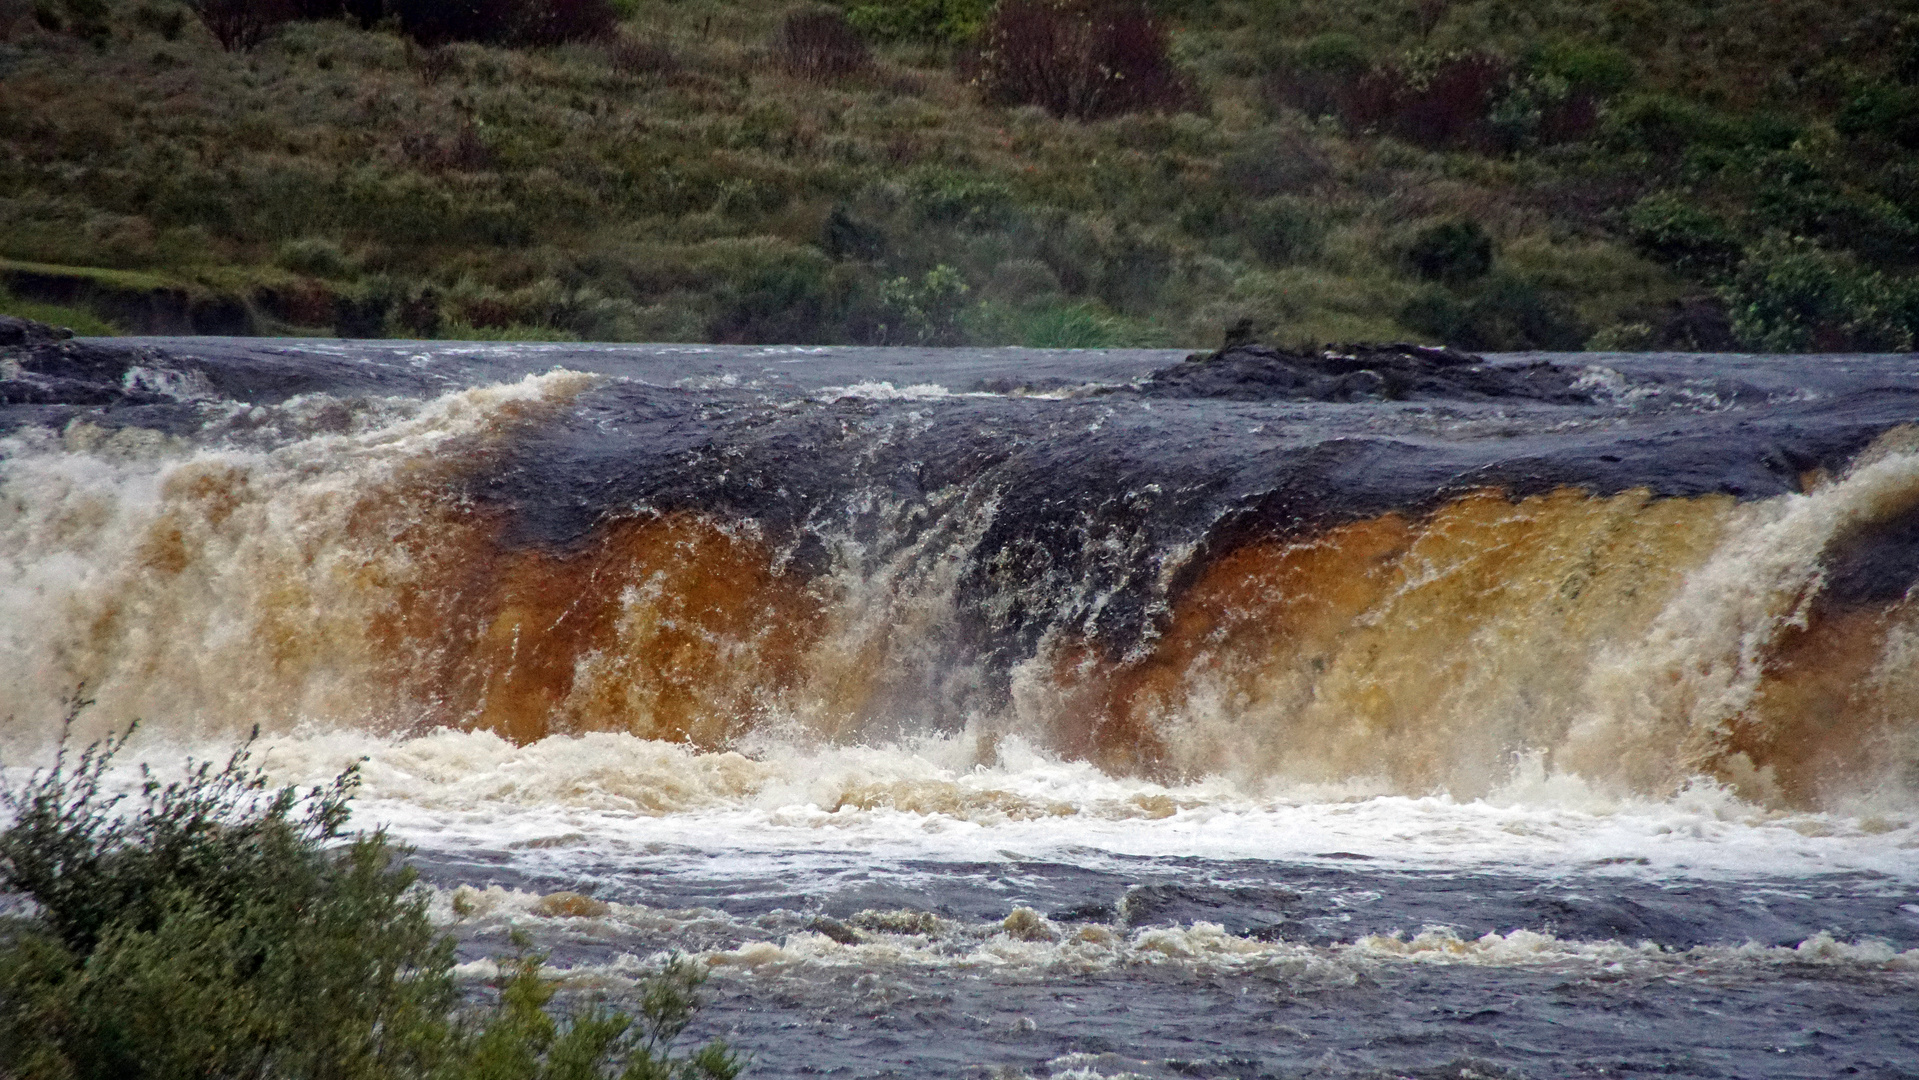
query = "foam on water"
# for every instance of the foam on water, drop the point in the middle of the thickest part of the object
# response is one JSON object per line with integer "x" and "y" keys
{"x": 796, "y": 807}
{"x": 1027, "y": 944}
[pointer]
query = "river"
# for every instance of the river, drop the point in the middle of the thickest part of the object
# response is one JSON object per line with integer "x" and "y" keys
{"x": 1012, "y": 713}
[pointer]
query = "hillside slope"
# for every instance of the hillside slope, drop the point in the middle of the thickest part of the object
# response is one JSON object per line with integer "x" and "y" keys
{"x": 1492, "y": 174}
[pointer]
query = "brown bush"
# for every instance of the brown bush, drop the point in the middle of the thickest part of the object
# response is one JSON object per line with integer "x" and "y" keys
{"x": 1080, "y": 58}
{"x": 502, "y": 22}
{"x": 819, "y": 44}
{"x": 239, "y": 25}
{"x": 1439, "y": 102}
{"x": 1442, "y": 105}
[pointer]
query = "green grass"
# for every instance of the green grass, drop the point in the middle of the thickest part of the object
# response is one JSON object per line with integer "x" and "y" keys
{"x": 335, "y": 172}
{"x": 79, "y": 320}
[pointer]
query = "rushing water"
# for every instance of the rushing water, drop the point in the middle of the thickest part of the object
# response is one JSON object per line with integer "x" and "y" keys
{"x": 1007, "y": 712}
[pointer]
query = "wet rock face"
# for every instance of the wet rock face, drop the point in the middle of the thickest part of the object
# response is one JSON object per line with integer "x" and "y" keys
{"x": 27, "y": 332}
{"x": 42, "y": 365}
{"x": 1397, "y": 372}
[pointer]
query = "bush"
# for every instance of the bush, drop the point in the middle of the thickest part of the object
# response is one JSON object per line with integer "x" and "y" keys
{"x": 1284, "y": 231}
{"x": 223, "y": 929}
{"x": 962, "y": 200}
{"x": 239, "y": 25}
{"x": 1889, "y": 113}
{"x": 819, "y": 44}
{"x": 1667, "y": 227}
{"x": 1666, "y": 125}
{"x": 499, "y": 22}
{"x": 1318, "y": 78}
{"x": 843, "y": 236}
{"x": 1440, "y": 101}
{"x": 1788, "y": 295}
{"x": 924, "y": 312}
{"x": 1508, "y": 313}
{"x": 923, "y": 21}
{"x": 789, "y": 298}
{"x": 1600, "y": 70}
{"x": 1451, "y": 251}
{"x": 1084, "y": 59}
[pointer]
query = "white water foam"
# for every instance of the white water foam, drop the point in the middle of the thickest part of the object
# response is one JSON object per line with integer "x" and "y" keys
{"x": 793, "y": 808}
{"x": 1027, "y": 944}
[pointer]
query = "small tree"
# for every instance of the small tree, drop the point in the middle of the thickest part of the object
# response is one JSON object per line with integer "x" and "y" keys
{"x": 239, "y": 25}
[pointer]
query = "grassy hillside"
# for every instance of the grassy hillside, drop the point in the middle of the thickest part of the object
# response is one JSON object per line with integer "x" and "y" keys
{"x": 1492, "y": 173}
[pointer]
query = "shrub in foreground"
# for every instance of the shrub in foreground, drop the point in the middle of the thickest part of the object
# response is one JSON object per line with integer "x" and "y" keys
{"x": 216, "y": 928}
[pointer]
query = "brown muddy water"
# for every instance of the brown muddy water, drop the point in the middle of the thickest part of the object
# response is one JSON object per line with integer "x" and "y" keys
{"x": 1027, "y": 713}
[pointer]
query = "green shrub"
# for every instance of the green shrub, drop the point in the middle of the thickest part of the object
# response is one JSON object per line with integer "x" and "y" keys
{"x": 1789, "y": 295}
{"x": 317, "y": 256}
{"x": 1334, "y": 53}
{"x": 1318, "y": 77}
{"x": 792, "y": 297}
{"x": 1889, "y": 113}
{"x": 946, "y": 197}
{"x": 1284, "y": 231}
{"x": 1451, "y": 251}
{"x": 219, "y": 928}
{"x": 1662, "y": 124}
{"x": 1597, "y": 69}
{"x": 1668, "y": 227}
{"x": 923, "y": 21}
{"x": 1507, "y": 313}
{"x": 1439, "y": 316}
{"x": 926, "y": 311}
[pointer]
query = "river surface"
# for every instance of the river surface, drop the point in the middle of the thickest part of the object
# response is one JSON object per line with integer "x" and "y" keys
{"x": 1013, "y": 713}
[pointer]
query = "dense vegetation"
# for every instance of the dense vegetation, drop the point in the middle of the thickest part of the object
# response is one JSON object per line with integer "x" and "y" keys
{"x": 1491, "y": 173}
{"x": 217, "y": 928}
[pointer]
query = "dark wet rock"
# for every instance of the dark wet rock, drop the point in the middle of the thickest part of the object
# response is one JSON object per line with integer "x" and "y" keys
{"x": 834, "y": 929}
{"x": 1616, "y": 918}
{"x": 1396, "y": 372}
{"x": 1084, "y": 913}
{"x": 1237, "y": 907}
{"x": 27, "y": 332}
{"x": 42, "y": 365}
{"x": 1875, "y": 564}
